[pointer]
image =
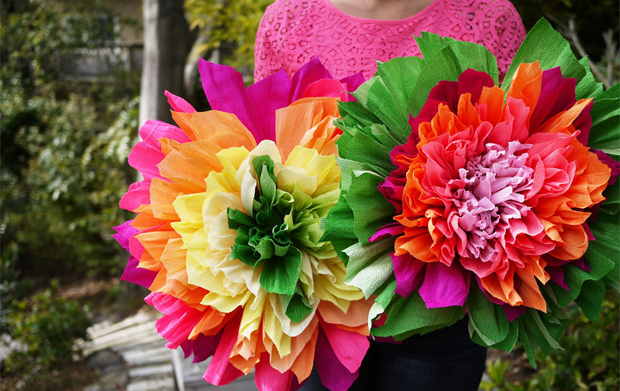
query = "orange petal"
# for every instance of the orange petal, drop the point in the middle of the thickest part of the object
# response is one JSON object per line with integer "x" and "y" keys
{"x": 561, "y": 121}
{"x": 490, "y": 104}
{"x": 294, "y": 121}
{"x": 526, "y": 85}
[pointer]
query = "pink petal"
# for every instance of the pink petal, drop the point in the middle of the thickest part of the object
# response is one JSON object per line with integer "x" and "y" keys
{"x": 392, "y": 229}
{"x": 145, "y": 156}
{"x": 512, "y": 127}
{"x": 444, "y": 286}
{"x": 349, "y": 347}
{"x": 333, "y": 374}
{"x": 557, "y": 94}
{"x": 179, "y": 104}
{"x": 220, "y": 370}
{"x": 312, "y": 71}
{"x": 138, "y": 275}
{"x": 408, "y": 273}
{"x": 324, "y": 87}
{"x": 268, "y": 378}
{"x": 139, "y": 193}
{"x": 179, "y": 319}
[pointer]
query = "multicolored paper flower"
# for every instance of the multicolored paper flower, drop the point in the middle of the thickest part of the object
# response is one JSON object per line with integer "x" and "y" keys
{"x": 487, "y": 207}
{"x": 228, "y": 235}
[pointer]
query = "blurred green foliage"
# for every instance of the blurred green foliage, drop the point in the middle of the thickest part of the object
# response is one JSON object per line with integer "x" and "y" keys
{"x": 227, "y": 24}
{"x": 592, "y": 19}
{"x": 46, "y": 326}
{"x": 64, "y": 142}
{"x": 590, "y": 360}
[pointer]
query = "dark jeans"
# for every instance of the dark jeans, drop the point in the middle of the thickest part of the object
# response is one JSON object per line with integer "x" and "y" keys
{"x": 442, "y": 360}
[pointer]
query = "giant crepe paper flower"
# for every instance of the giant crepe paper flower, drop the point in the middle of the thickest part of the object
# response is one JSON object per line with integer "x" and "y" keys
{"x": 485, "y": 199}
{"x": 227, "y": 234}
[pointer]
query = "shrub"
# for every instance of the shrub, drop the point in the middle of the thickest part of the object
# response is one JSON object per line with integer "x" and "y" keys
{"x": 46, "y": 326}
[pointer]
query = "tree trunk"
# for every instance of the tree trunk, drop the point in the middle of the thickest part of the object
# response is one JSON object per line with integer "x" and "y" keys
{"x": 166, "y": 45}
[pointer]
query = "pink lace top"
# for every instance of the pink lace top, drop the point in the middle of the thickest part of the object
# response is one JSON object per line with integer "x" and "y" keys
{"x": 293, "y": 31}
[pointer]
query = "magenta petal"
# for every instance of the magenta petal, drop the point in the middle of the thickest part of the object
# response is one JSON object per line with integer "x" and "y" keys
{"x": 138, "y": 275}
{"x": 268, "y": 378}
{"x": 202, "y": 347}
{"x": 556, "y": 275}
{"x": 392, "y": 229}
{"x": 179, "y": 104}
{"x": 152, "y": 131}
{"x": 220, "y": 370}
{"x": 407, "y": 271}
{"x": 132, "y": 272}
{"x": 333, "y": 374}
{"x": 306, "y": 75}
{"x": 267, "y": 96}
{"x": 444, "y": 286}
{"x": 513, "y": 313}
{"x": 351, "y": 83}
{"x": 225, "y": 91}
{"x": 139, "y": 193}
{"x": 349, "y": 347}
{"x": 123, "y": 233}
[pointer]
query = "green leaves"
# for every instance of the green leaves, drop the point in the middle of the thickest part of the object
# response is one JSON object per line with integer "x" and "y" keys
{"x": 550, "y": 49}
{"x": 409, "y": 316}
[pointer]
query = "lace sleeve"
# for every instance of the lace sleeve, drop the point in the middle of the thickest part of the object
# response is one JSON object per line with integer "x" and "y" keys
{"x": 510, "y": 34}
{"x": 264, "y": 54}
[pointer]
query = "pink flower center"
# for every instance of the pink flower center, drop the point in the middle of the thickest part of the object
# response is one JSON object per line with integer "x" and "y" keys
{"x": 490, "y": 194}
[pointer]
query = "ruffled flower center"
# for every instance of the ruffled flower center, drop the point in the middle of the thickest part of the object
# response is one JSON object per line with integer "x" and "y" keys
{"x": 488, "y": 193}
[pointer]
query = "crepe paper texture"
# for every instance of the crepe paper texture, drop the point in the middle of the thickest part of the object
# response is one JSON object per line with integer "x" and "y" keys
{"x": 227, "y": 235}
{"x": 463, "y": 197}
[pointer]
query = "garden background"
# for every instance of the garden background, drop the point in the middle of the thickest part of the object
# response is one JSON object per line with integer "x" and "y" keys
{"x": 78, "y": 78}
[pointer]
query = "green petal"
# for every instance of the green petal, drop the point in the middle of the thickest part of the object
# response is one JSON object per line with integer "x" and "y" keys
{"x": 279, "y": 275}
{"x": 547, "y": 46}
{"x": 486, "y": 319}
{"x": 296, "y": 305}
{"x": 409, "y": 316}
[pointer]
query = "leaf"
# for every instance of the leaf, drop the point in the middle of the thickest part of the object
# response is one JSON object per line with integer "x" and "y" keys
{"x": 587, "y": 86}
{"x": 400, "y": 76}
{"x": 280, "y": 274}
{"x": 296, "y": 305}
{"x": 445, "y": 66}
{"x": 338, "y": 230}
{"x": 470, "y": 55}
{"x": 370, "y": 209}
{"x": 486, "y": 319}
{"x": 369, "y": 265}
{"x": 550, "y": 49}
{"x": 409, "y": 316}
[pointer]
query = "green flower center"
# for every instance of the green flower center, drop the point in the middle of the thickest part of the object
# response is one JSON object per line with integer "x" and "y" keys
{"x": 267, "y": 239}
